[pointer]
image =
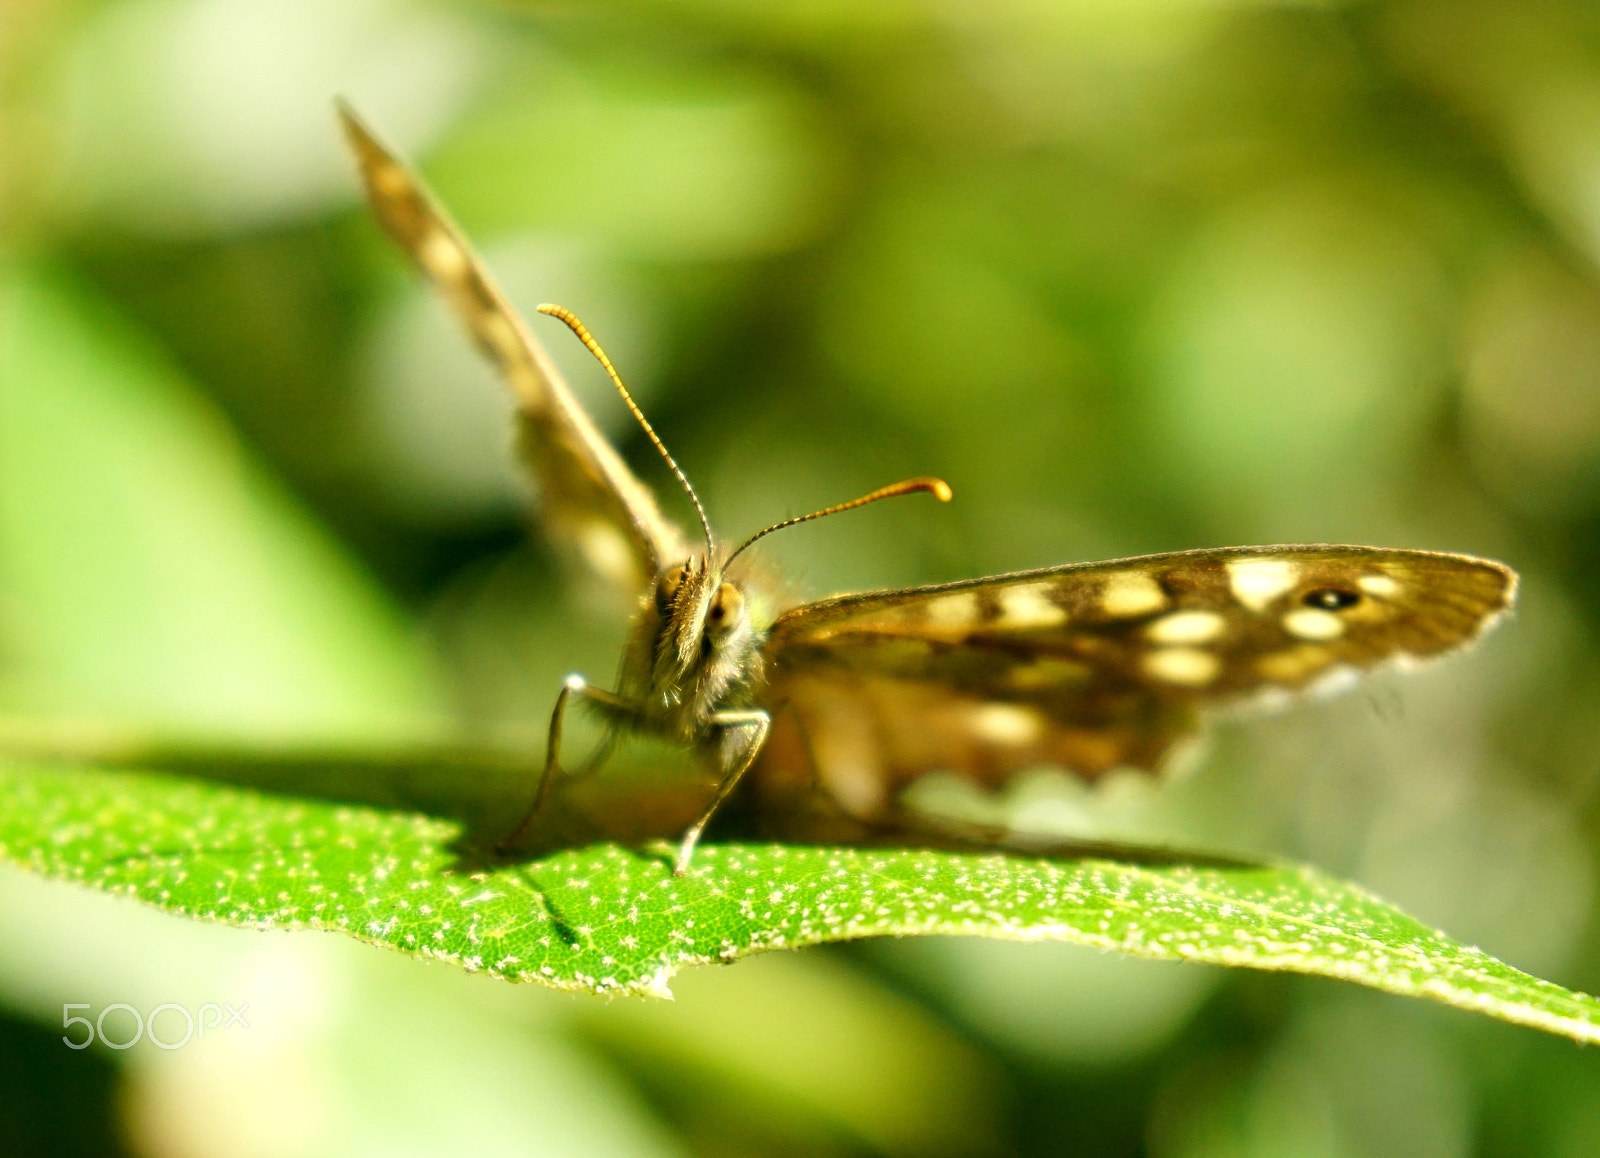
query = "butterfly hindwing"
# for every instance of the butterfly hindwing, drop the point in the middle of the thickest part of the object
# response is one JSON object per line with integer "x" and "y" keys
{"x": 1096, "y": 666}
{"x": 592, "y": 504}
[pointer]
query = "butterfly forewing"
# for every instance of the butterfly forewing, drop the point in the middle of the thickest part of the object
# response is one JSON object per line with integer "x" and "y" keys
{"x": 592, "y": 504}
{"x": 1096, "y": 666}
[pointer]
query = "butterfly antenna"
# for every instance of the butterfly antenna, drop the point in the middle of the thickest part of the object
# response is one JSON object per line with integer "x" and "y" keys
{"x": 936, "y": 487}
{"x": 587, "y": 339}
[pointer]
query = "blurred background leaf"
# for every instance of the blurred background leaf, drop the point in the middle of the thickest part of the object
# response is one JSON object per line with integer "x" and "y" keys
{"x": 1133, "y": 276}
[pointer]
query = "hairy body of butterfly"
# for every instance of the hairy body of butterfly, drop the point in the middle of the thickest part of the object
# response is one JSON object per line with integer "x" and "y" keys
{"x": 835, "y": 705}
{"x": 691, "y": 673}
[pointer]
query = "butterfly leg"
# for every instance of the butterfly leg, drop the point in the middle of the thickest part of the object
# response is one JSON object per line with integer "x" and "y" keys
{"x": 759, "y": 723}
{"x": 574, "y": 685}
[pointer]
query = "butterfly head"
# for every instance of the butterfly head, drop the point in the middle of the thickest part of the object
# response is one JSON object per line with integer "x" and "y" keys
{"x": 703, "y": 635}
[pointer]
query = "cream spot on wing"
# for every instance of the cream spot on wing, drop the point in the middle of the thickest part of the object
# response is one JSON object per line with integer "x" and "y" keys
{"x": 1337, "y": 680}
{"x": 1313, "y": 623}
{"x": 441, "y": 256}
{"x": 1006, "y": 724}
{"x": 390, "y": 180}
{"x": 1268, "y": 699}
{"x": 898, "y": 653}
{"x": 1188, "y": 666}
{"x": 1047, "y": 673}
{"x": 1257, "y": 582}
{"x": 1292, "y": 666}
{"x": 500, "y": 335}
{"x": 1029, "y": 606}
{"x": 1129, "y": 593}
{"x": 1380, "y": 585}
{"x": 606, "y": 549}
{"x": 1186, "y": 627}
{"x": 849, "y": 763}
{"x": 959, "y": 610}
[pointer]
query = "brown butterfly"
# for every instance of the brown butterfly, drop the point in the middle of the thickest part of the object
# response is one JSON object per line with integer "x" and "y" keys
{"x": 845, "y": 701}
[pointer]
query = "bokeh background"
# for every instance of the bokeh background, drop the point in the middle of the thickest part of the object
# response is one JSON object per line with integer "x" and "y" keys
{"x": 1133, "y": 275}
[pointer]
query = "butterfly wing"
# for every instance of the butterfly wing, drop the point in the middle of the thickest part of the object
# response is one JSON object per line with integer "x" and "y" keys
{"x": 593, "y": 505}
{"x": 1091, "y": 666}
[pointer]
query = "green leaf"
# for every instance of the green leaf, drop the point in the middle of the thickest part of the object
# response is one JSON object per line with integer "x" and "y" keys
{"x": 610, "y": 917}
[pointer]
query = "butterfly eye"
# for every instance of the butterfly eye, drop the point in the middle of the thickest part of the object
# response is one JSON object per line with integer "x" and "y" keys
{"x": 667, "y": 586}
{"x": 727, "y": 609}
{"x": 1331, "y": 599}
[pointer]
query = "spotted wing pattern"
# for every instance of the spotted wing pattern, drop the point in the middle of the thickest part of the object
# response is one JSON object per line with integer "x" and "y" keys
{"x": 1092, "y": 666}
{"x": 592, "y": 503}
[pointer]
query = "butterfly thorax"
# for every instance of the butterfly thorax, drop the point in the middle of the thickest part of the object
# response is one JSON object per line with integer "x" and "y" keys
{"x": 692, "y": 652}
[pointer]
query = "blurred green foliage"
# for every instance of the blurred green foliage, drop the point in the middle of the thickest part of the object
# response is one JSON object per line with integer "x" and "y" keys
{"x": 1132, "y": 276}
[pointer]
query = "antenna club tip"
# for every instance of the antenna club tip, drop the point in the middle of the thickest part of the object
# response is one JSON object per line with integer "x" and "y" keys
{"x": 552, "y": 309}
{"x": 936, "y": 487}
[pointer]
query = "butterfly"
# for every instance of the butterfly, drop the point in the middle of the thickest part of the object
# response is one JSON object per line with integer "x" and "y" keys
{"x": 838, "y": 705}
